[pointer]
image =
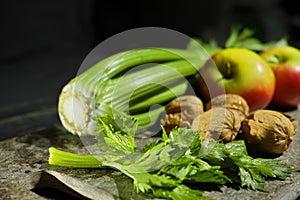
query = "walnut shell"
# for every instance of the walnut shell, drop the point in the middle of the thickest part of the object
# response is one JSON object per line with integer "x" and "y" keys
{"x": 181, "y": 112}
{"x": 189, "y": 106}
{"x": 231, "y": 101}
{"x": 173, "y": 120}
{"x": 218, "y": 122}
{"x": 268, "y": 132}
{"x": 293, "y": 120}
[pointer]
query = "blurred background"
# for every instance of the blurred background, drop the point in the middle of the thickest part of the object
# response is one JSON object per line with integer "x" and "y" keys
{"x": 43, "y": 43}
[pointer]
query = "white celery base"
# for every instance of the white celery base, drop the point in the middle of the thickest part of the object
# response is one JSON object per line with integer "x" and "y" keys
{"x": 73, "y": 110}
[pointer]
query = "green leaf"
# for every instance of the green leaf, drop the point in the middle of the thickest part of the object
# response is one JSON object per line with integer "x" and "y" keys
{"x": 162, "y": 153}
{"x": 254, "y": 171}
{"x": 234, "y": 159}
{"x": 113, "y": 137}
{"x": 281, "y": 42}
{"x": 189, "y": 168}
{"x": 213, "y": 151}
{"x": 244, "y": 38}
{"x": 164, "y": 134}
{"x": 143, "y": 182}
{"x": 272, "y": 168}
{"x": 180, "y": 192}
{"x": 248, "y": 180}
{"x": 236, "y": 148}
{"x": 183, "y": 137}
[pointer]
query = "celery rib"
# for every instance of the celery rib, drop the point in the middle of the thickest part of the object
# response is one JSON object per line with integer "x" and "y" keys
{"x": 120, "y": 62}
{"x": 139, "y": 105}
{"x": 163, "y": 74}
{"x": 147, "y": 119}
{"x": 67, "y": 159}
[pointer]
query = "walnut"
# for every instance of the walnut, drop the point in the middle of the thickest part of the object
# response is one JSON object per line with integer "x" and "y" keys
{"x": 218, "y": 122}
{"x": 173, "y": 120}
{"x": 268, "y": 132}
{"x": 293, "y": 120}
{"x": 181, "y": 112}
{"x": 230, "y": 101}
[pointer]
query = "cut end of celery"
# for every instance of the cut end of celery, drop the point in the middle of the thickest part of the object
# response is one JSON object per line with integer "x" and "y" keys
{"x": 73, "y": 111}
{"x": 67, "y": 159}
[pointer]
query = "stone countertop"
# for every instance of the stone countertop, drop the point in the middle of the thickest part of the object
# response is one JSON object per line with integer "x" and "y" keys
{"x": 23, "y": 157}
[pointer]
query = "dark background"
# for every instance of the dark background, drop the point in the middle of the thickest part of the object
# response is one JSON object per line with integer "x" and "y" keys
{"x": 43, "y": 43}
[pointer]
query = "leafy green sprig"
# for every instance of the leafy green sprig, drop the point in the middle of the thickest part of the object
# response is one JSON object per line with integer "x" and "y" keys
{"x": 234, "y": 160}
{"x": 169, "y": 166}
{"x": 239, "y": 37}
{"x": 245, "y": 38}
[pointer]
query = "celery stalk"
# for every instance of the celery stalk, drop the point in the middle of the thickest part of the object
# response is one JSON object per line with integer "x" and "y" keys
{"x": 163, "y": 94}
{"x": 111, "y": 85}
{"x": 66, "y": 159}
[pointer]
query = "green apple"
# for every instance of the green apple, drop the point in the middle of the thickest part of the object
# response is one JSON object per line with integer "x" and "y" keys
{"x": 238, "y": 71}
{"x": 285, "y": 62}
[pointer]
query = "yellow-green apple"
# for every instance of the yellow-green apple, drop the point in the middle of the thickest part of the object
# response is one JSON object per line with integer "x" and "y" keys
{"x": 285, "y": 62}
{"x": 238, "y": 71}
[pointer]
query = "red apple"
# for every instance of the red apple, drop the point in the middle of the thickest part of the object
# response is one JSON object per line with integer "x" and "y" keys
{"x": 285, "y": 62}
{"x": 238, "y": 71}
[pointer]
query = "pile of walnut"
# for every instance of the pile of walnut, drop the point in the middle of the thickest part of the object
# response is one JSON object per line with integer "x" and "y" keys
{"x": 227, "y": 117}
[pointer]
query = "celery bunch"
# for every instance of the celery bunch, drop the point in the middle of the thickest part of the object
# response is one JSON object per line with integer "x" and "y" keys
{"x": 132, "y": 82}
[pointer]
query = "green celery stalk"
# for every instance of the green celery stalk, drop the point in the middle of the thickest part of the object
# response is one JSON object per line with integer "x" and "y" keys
{"x": 161, "y": 95}
{"x": 110, "y": 85}
{"x": 67, "y": 159}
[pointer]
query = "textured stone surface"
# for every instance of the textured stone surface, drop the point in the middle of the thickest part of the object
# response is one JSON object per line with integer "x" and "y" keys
{"x": 22, "y": 157}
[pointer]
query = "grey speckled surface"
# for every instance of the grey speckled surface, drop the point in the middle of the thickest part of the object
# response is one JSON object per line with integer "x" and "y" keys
{"x": 22, "y": 157}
